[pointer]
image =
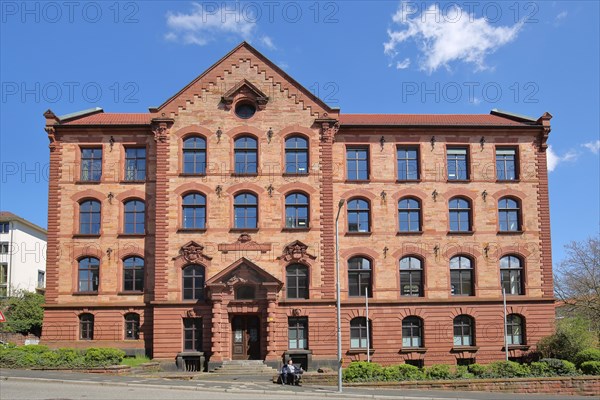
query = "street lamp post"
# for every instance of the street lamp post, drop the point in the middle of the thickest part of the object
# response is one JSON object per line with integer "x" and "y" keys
{"x": 337, "y": 289}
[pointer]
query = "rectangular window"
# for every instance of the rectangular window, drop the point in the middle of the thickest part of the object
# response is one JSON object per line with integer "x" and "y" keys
{"x": 3, "y": 280}
{"x": 457, "y": 164}
{"x": 41, "y": 283}
{"x": 4, "y": 227}
{"x": 135, "y": 164}
{"x": 3, "y": 247}
{"x": 298, "y": 333}
{"x": 192, "y": 334}
{"x": 91, "y": 164}
{"x": 506, "y": 164}
{"x": 357, "y": 164}
{"x": 408, "y": 163}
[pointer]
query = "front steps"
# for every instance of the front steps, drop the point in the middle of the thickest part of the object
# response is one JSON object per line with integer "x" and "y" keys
{"x": 244, "y": 367}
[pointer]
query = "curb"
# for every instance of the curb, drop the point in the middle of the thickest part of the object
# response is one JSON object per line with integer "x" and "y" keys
{"x": 217, "y": 390}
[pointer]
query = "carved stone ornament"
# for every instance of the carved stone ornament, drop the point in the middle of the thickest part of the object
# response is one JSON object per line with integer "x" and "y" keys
{"x": 245, "y": 243}
{"x": 193, "y": 252}
{"x": 160, "y": 134}
{"x": 296, "y": 251}
{"x": 234, "y": 280}
{"x": 160, "y": 128}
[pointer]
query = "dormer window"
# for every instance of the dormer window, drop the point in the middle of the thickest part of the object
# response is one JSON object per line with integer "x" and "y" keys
{"x": 245, "y": 110}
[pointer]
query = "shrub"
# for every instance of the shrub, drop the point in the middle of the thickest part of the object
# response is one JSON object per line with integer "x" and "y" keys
{"x": 560, "y": 367}
{"x": 540, "y": 369}
{"x": 478, "y": 370}
{"x": 363, "y": 371}
{"x": 587, "y": 355}
{"x": 24, "y": 313}
{"x": 438, "y": 371}
{"x": 103, "y": 357}
{"x": 590, "y": 367}
{"x": 572, "y": 336}
{"x": 507, "y": 369}
{"x": 70, "y": 358}
{"x": 402, "y": 372}
{"x": 461, "y": 372}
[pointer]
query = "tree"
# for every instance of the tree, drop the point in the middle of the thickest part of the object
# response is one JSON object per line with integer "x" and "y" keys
{"x": 577, "y": 280}
{"x": 24, "y": 313}
{"x": 572, "y": 335}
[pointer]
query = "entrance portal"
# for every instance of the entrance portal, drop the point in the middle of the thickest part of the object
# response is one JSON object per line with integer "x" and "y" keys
{"x": 245, "y": 330}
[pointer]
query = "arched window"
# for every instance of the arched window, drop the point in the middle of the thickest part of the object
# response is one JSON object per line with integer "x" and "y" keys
{"x": 358, "y": 216}
{"x": 358, "y": 333}
{"x": 245, "y": 207}
{"x": 411, "y": 276}
{"x": 245, "y": 292}
{"x": 194, "y": 211}
{"x": 133, "y": 274}
{"x": 464, "y": 331}
{"x": 508, "y": 215}
{"x": 193, "y": 282}
{"x": 135, "y": 213}
{"x": 511, "y": 274}
{"x": 132, "y": 326}
{"x": 412, "y": 332}
{"x": 88, "y": 274}
{"x": 409, "y": 215}
{"x": 297, "y": 281}
{"x": 89, "y": 217}
{"x": 246, "y": 155}
{"x": 194, "y": 155}
{"x": 296, "y": 155}
{"x": 359, "y": 276}
{"x": 461, "y": 276}
{"x": 296, "y": 210}
{"x": 86, "y": 327}
{"x": 515, "y": 330}
{"x": 460, "y": 214}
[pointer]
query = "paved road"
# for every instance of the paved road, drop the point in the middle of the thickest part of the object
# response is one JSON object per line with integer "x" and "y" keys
{"x": 58, "y": 385}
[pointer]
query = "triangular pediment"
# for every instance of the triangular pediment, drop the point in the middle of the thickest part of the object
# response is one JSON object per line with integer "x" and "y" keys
{"x": 264, "y": 70}
{"x": 245, "y": 89}
{"x": 243, "y": 271}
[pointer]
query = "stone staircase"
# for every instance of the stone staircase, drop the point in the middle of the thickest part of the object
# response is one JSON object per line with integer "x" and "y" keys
{"x": 244, "y": 367}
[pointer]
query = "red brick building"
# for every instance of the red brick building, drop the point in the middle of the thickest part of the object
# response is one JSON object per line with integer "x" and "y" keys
{"x": 208, "y": 225}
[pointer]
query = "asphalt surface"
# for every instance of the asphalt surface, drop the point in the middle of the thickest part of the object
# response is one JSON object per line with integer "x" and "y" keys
{"x": 29, "y": 384}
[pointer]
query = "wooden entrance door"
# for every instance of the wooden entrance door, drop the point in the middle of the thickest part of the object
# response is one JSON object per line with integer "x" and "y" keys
{"x": 245, "y": 333}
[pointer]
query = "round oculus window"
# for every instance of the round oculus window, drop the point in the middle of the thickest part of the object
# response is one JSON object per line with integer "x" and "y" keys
{"x": 245, "y": 110}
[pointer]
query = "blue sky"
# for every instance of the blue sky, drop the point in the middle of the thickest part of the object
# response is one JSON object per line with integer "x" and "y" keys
{"x": 365, "y": 57}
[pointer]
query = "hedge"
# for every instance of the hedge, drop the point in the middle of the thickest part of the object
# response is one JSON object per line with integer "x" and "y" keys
{"x": 587, "y": 355}
{"x": 39, "y": 356}
{"x": 591, "y": 367}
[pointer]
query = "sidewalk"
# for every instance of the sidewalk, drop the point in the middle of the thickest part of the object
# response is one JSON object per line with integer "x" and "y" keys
{"x": 259, "y": 385}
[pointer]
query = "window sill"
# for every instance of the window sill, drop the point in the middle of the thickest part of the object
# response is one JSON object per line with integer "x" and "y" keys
{"x": 523, "y": 347}
{"x": 80, "y": 182}
{"x": 291, "y": 174}
{"x": 357, "y": 181}
{"x": 85, "y": 294}
{"x": 508, "y": 180}
{"x": 464, "y": 233}
{"x": 508, "y": 233}
{"x": 131, "y": 235}
{"x": 461, "y": 295}
{"x": 357, "y": 234}
{"x": 458, "y": 181}
{"x": 86, "y": 236}
{"x": 254, "y": 230}
{"x": 186, "y": 230}
{"x": 295, "y": 229}
{"x": 470, "y": 349}
{"x": 408, "y": 180}
{"x": 296, "y": 299}
{"x": 132, "y": 182}
{"x": 360, "y": 351}
{"x": 409, "y": 233}
{"x": 130, "y": 293}
{"x": 405, "y": 350}
{"x": 244, "y": 175}
{"x": 189, "y": 175}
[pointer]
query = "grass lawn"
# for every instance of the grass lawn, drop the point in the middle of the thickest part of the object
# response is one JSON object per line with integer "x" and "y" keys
{"x": 135, "y": 361}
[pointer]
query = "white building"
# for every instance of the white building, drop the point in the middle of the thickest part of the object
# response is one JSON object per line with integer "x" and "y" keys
{"x": 22, "y": 255}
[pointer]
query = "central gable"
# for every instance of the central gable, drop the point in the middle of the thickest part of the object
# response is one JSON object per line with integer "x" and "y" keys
{"x": 241, "y": 272}
{"x": 265, "y": 71}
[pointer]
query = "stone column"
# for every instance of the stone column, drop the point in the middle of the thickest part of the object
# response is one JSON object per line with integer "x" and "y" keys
{"x": 216, "y": 334}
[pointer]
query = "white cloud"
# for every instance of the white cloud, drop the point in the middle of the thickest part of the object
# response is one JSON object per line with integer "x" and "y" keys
{"x": 403, "y": 64}
{"x": 594, "y": 147}
{"x": 554, "y": 159}
{"x": 562, "y": 15}
{"x": 445, "y": 36}
{"x": 204, "y": 24}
